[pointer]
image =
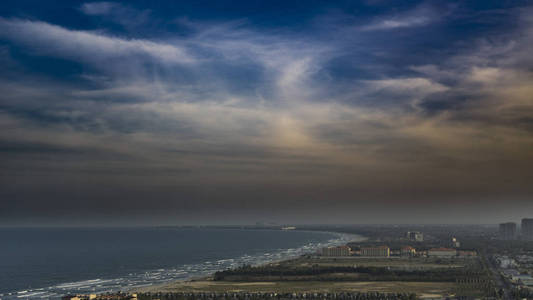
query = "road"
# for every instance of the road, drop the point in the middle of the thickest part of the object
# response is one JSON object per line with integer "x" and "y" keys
{"x": 500, "y": 282}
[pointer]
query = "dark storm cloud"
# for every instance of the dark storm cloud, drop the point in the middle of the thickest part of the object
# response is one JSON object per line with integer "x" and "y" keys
{"x": 186, "y": 112}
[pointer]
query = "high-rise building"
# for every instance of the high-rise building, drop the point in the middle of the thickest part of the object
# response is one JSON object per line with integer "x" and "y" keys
{"x": 527, "y": 229}
{"x": 508, "y": 231}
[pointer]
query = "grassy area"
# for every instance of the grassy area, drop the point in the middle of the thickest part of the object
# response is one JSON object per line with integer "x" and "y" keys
{"x": 426, "y": 277}
{"x": 400, "y": 263}
{"x": 422, "y": 289}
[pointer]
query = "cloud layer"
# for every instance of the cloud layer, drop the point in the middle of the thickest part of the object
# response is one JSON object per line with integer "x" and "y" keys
{"x": 221, "y": 116}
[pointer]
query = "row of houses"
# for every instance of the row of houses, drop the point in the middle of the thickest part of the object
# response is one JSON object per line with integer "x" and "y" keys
{"x": 385, "y": 251}
{"x": 379, "y": 251}
{"x": 515, "y": 270}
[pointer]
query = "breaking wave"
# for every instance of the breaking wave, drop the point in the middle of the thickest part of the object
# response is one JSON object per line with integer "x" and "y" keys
{"x": 181, "y": 272}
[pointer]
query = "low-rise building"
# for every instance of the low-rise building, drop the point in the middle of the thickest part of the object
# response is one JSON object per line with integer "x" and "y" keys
{"x": 336, "y": 251}
{"x": 442, "y": 252}
{"x": 526, "y": 280}
{"x": 506, "y": 262}
{"x": 455, "y": 243}
{"x": 79, "y": 297}
{"x": 466, "y": 253}
{"x": 407, "y": 251}
{"x": 415, "y": 236}
{"x": 379, "y": 251}
{"x": 509, "y": 273}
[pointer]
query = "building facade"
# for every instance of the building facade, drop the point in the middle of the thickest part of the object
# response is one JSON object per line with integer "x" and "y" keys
{"x": 466, "y": 253}
{"x": 380, "y": 251}
{"x": 336, "y": 251}
{"x": 407, "y": 251}
{"x": 442, "y": 252}
{"x": 527, "y": 229}
{"x": 415, "y": 236}
{"x": 454, "y": 243}
{"x": 508, "y": 231}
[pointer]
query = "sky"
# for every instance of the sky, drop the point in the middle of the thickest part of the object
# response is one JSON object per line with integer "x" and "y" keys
{"x": 236, "y": 112}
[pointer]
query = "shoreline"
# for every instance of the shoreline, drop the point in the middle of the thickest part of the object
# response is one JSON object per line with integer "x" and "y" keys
{"x": 209, "y": 277}
{"x": 191, "y": 272}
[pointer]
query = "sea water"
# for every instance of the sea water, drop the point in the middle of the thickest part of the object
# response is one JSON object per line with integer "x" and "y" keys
{"x": 51, "y": 262}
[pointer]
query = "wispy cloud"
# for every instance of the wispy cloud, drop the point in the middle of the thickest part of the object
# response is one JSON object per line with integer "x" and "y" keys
{"x": 130, "y": 18}
{"x": 53, "y": 40}
{"x": 419, "y": 16}
{"x": 230, "y": 103}
{"x": 98, "y": 8}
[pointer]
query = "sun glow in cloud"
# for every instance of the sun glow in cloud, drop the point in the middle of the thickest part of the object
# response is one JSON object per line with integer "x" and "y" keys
{"x": 334, "y": 110}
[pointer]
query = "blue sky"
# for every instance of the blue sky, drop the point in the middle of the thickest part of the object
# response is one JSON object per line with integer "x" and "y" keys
{"x": 251, "y": 110}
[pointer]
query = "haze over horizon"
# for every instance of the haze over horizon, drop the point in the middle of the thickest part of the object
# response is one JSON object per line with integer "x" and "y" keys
{"x": 218, "y": 112}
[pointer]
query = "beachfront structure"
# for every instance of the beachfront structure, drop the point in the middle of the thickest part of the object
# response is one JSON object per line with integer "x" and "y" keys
{"x": 380, "y": 251}
{"x": 336, "y": 251}
{"x": 71, "y": 297}
{"x": 79, "y": 297}
{"x": 442, "y": 252}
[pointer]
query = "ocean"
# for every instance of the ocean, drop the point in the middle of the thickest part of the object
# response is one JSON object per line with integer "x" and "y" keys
{"x": 51, "y": 262}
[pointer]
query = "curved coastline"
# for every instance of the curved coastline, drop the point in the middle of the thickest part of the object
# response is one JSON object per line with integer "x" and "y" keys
{"x": 343, "y": 238}
{"x": 152, "y": 279}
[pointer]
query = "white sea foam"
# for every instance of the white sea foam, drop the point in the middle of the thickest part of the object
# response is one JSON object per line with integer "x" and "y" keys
{"x": 159, "y": 276}
{"x": 31, "y": 295}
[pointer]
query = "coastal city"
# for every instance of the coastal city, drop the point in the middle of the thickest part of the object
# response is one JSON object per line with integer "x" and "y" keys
{"x": 390, "y": 262}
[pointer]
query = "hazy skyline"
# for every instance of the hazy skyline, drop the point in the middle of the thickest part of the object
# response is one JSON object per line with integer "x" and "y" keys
{"x": 235, "y": 112}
